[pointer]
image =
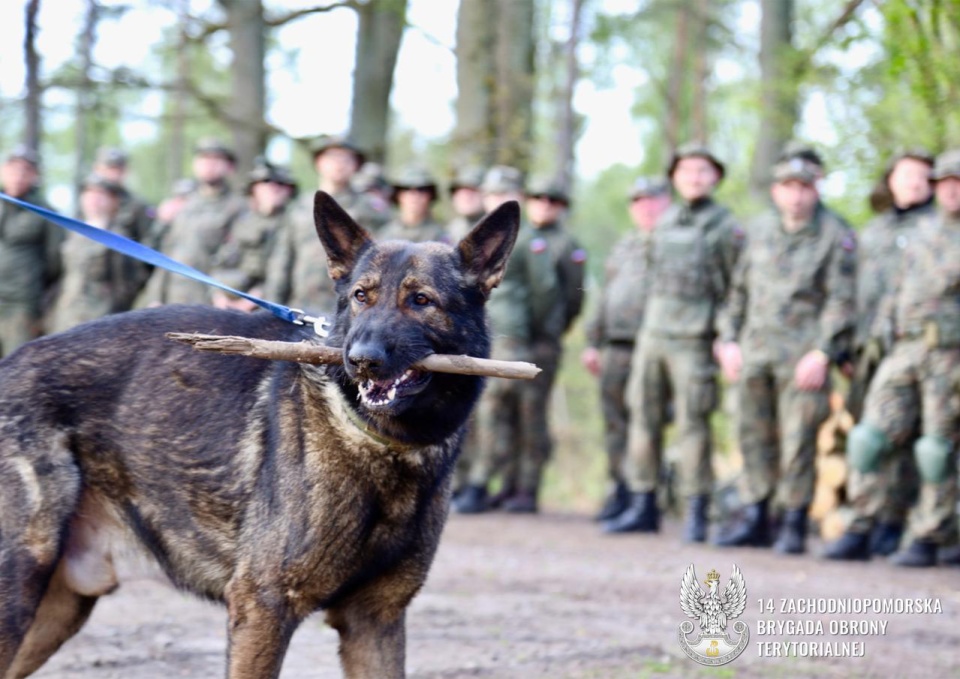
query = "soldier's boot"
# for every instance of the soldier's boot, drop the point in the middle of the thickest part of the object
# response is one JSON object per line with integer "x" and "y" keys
{"x": 523, "y": 502}
{"x": 885, "y": 538}
{"x": 918, "y": 554}
{"x": 849, "y": 547}
{"x": 640, "y": 516}
{"x": 471, "y": 500}
{"x": 793, "y": 532}
{"x": 615, "y": 503}
{"x": 751, "y": 530}
{"x": 949, "y": 556}
{"x": 695, "y": 528}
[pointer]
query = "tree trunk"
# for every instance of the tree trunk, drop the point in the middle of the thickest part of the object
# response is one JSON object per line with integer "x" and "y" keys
{"x": 248, "y": 89}
{"x": 178, "y": 116}
{"x": 31, "y": 59}
{"x": 676, "y": 80}
{"x": 473, "y": 134}
{"x": 566, "y": 128}
{"x": 701, "y": 71}
{"x": 513, "y": 101}
{"x": 778, "y": 90}
{"x": 379, "y": 32}
{"x": 85, "y": 97}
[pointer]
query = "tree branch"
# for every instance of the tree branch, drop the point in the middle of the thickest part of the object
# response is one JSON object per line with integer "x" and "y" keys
{"x": 805, "y": 57}
{"x": 209, "y": 28}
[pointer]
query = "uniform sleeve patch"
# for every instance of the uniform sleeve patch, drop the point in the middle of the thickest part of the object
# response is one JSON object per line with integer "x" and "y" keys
{"x": 578, "y": 256}
{"x": 849, "y": 242}
{"x": 538, "y": 245}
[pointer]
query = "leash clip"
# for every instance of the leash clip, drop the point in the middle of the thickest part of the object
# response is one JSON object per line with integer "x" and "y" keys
{"x": 320, "y": 324}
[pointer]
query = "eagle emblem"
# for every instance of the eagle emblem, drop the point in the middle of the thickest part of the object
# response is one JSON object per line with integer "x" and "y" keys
{"x": 713, "y": 609}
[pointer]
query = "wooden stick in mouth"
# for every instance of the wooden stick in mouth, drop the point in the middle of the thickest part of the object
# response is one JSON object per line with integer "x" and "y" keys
{"x": 317, "y": 354}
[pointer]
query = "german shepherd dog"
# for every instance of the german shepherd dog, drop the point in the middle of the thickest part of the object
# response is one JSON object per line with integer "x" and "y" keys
{"x": 277, "y": 488}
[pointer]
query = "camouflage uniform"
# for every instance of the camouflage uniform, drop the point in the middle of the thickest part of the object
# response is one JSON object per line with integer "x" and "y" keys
{"x": 466, "y": 178}
{"x": 29, "y": 266}
{"x": 429, "y": 230}
{"x": 917, "y": 382}
{"x": 96, "y": 280}
{"x": 792, "y": 293}
{"x": 194, "y": 238}
{"x": 692, "y": 256}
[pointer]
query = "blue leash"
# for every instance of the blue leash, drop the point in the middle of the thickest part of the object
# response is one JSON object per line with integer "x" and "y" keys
{"x": 132, "y": 248}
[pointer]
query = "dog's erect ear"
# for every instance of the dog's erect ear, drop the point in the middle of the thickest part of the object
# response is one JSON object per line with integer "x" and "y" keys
{"x": 485, "y": 250}
{"x": 342, "y": 238}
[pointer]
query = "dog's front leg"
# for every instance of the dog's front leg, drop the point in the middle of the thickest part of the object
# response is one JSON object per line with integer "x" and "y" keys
{"x": 372, "y": 644}
{"x": 261, "y": 622}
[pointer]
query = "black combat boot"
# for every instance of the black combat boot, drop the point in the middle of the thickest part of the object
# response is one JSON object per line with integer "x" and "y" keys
{"x": 640, "y": 516}
{"x": 471, "y": 500}
{"x": 885, "y": 538}
{"x": 752, "y": 530}
{"x": 849, "y": 547}
{"x": 949, "y": 556}
{"x": 793, "y": 532}
{"x": 524, "y": 502}
{"x": 616, "y": 502}
{"x": 695, "y": 528}
{"x": 918, "y": 554}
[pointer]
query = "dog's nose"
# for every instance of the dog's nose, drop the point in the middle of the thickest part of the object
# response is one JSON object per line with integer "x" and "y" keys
{"x": 367, "y": 359}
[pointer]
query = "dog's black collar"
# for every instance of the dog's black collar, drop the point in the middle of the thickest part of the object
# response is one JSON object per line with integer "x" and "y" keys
{"x": 379, "y": 437}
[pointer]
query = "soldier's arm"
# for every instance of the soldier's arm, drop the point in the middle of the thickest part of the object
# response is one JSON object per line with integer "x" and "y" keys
{"x": 53, "y": 238}
{"x": 838, "y": 316}
{"x": 883, "y": 330}
{"x": 276, "y": 284}
{"x": 573, "y": 265}
{"x": 733, "y": 310}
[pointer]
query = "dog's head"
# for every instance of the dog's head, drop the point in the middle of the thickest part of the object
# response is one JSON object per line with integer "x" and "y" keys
{"x": 398, "y": 302}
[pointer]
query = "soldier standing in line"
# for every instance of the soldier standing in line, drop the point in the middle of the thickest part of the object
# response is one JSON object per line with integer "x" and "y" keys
{"x": 96, "y": 280}
{"x": 918, "y": 326}
{"x": 242, "y": 261}
{"x": 297, "y": 270}
{"x": 414, "y": 193}
{"x": 880, "y": 502}
{"x": 29, "y": 252}
{"x": 466, "y": 201}
{"x": 199, "y": 230}
{"x": 168, "y": 209}
{"x": 790, "y": 315}
{"x": 529, "y": 297}
{"x": 612, "y": 333}
{"x": 134, "y": 218}
{"x": 692, "y": 257}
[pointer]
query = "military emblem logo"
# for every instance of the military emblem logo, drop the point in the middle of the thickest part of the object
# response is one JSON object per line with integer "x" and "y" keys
{"x": 713, "y": 610}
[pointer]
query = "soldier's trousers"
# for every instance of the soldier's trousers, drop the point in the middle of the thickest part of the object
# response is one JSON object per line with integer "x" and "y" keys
{"x": 18, "y": 325}
{"x": 777, "y": 427}
{"x": 914, "y": 383}
{"x": 682, "y": 369}
{"x": 888, "y": 495}
{"x": 615, "y": 359}
{"x": 512, "y": 428}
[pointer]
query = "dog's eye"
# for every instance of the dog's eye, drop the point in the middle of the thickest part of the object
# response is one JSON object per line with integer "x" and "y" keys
{"x": 421, "y": 299}
{"x": 360, "y": 296}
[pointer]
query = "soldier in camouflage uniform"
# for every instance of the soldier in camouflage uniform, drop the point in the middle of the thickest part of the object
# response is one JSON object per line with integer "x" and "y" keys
{"x": 199, "y": 230}
{"x": 917, "y": 382}
{"x": 135, "y": 218}
{"x": 692, "y": 256}
{"x": 29, "y": 252}
{"x": 527, "y": 305}
{"x": 414, "y": 193}
{"x": 612, "y": 332}
{"x": 242, "y": 260}
{"x": 883, "y": 502}
{"x": 297, "y": 270}
{"x": 790, "y": 315}
{"x": 466, "y": 201}
{"x": 96, "y": 280}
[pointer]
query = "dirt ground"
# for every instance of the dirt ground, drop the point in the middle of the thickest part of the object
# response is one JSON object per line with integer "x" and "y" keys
{"x": 547, "y": 596}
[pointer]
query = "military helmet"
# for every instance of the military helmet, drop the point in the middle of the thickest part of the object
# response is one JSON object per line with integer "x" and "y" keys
{"x": 647, "y": 187}
{"x": 332, "y": 141}
{"x": 947, "y": 165}
{"x": 798, "y": 168}
{"x": 414, "y": 177}
{"x": 502, "y": 179}
{"x": 802, "y": 150}
{"x": 469, "y": 177}
{"x": 920, "y": 154}
{"x": 695, "y": 149}
{"x": 210, "y": 146}
{"x": 24, "y": 153}
{"x": 96, "y": 181}
{"x": 265, "y": 171}
{"x": 547, "y": 187}
{"x": 111, "y": 156}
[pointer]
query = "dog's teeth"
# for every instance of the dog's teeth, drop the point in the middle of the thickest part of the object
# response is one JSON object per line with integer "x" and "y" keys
{"x": 392, "y": 394}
